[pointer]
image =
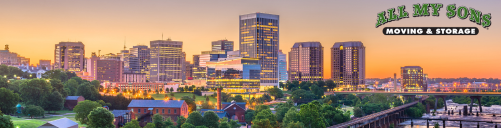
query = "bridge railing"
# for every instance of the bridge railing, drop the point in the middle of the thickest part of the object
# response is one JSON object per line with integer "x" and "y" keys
{"x": 371, "y": 116}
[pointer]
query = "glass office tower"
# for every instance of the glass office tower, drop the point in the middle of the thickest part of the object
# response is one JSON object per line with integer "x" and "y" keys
{"x": 235, "y": 75}
{"x": 259, "y": 39}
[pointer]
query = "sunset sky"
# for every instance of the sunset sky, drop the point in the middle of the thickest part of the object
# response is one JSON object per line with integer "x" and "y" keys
{"x": 31, "y": 28}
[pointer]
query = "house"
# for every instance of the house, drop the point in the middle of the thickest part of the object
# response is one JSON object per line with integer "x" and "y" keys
{"x": 220, "y": 113}
{"x": 72, "y": 101}
{"x": 122, "y": 117}
{"x": 60, "y": 123}
{"x": 234, "y": 110}
{"x": 143, "y": 110}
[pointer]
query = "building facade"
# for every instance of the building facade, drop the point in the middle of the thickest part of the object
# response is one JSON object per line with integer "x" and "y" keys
{"x": 348, "y": 64}
{"x": 166, "y": 61}
{"x": 413, "y": 79}
{"x": 69, "y": 56}
{"x": 45, "y": 64}
{"x": 189, "y": 70}
{"x": 207, "y": 56}
{"x": 142, "y": 52}
{"x": 306, "y": 61}
{"x": 282, "y": 67}
{"x": 109, "y": 70}
{"x": 259, "y": 34}
{"x": 222, "y": 45}
{"x": 133, "y": 78}
{"x": 145, "y": 109}
{"x": 237, "y": 75}
{"x": 198, "y": 73}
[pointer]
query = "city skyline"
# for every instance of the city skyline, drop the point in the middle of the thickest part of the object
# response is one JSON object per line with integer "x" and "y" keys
{"x": 441, "y": 56}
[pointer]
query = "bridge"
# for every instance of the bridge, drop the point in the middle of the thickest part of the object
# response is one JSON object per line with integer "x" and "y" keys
{"x": 421, "y": 93}
{"x": 381, "y": 119}
{"x": 472, "y": 95}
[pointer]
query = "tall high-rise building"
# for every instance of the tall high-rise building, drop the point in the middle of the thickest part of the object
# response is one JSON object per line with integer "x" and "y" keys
{"x": 92, "y": 65}
{"x": 306, "y": 61}
{"x": 166, "y": 61}
{"x": 348, "y": 64}
{"x": 198, "y": 72}
{"x": 413, "y": 79}
{"x": 142, "y": 52}
{"x": 189, "y": 70}
{"x": 109, "y": 70}
{"x": 222, "y": 45}
{"x": 282, "y": 67}
{"x": 69, "y": 56}
{"x": 259, "y": 39}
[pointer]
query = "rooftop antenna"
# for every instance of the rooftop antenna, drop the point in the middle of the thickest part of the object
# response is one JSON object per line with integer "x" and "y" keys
{"x": 125, "y": 38}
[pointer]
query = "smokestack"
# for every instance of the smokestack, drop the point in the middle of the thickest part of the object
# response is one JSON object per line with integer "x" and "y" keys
{"x": 219, "y": 98}
{"x": 395, "y": 82}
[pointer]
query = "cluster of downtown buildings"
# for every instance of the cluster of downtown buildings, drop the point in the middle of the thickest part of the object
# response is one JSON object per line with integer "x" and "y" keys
{"x": 259, "y": 64}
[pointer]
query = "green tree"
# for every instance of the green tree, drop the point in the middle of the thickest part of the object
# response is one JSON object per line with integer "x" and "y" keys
{"x": 58, "y": 86}
{"x": 265, "y": 119}
{"x": 100, "y": 118}
{"x": 5, "y": 121}
{"x": 83, "y": 109}
{"x": 171, "y": 89}
{"x": 187, "y": 125}
{"x": 35, "y": 91}
{"x": 71, "y": 85}
{"x": 195, "y": 118}
{"x": 132, "y": 124}
{"x": 318, "y": 91}
{"x": 87, "y": 91}
{"x": 302, "y": 96}
{"x": 320, "y": 83}
{"x": 206, "y": 105}
{"x": 55, "y": 102}
{"x": 150, "y": 125}
{"x": 191, "y": 104}
{"x": 56, "y": 74}
{"x": 15, "y": 85}
{"x": 330, "y": 84}
{"x": 281, "y": 110}
{"x": 290, "y": 117}
{"x": 310, "y": 116}
{"x": 158, "y": 121}
{"x": 211, "y": 119}
{"x": 276, "y": 92}
{"x": 180, "y": 121}
{"x": 249, "y": 115}
{"x": 357, "y": 112}
{"x": 237, "y": 98}
{"x": 8, "y": 101}
{"x": 33, "y": 111}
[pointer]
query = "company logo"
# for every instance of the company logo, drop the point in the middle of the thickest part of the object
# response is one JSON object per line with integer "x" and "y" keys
{"x": 433, "y": 9}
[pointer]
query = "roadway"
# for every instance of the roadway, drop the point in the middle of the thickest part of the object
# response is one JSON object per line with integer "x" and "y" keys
{"x": 361, "y": 120}
{"x": 420, "y": 93}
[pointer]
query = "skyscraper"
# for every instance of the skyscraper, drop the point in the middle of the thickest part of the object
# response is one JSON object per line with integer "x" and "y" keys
{"x": 109, "y": 70}
{"x": 142, "y": 52}
{"x": 282, "y": 67}
{"x": 44, "y": 64}
{"x": 413, "y": 79}
{"x": 348, "y": 64}
{"x": 69, "y": 56}
{"x": 198, "y": 72}
{"x": 306, "y": 61}
{"x": 259, "y": 39}
{"x": 166, "y": 61}
{"x": 222, "y": 45}
{"x": 210, "y": 56}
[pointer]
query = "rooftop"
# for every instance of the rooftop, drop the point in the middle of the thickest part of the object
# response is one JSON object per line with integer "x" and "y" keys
{"x": 156, "y": 103}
